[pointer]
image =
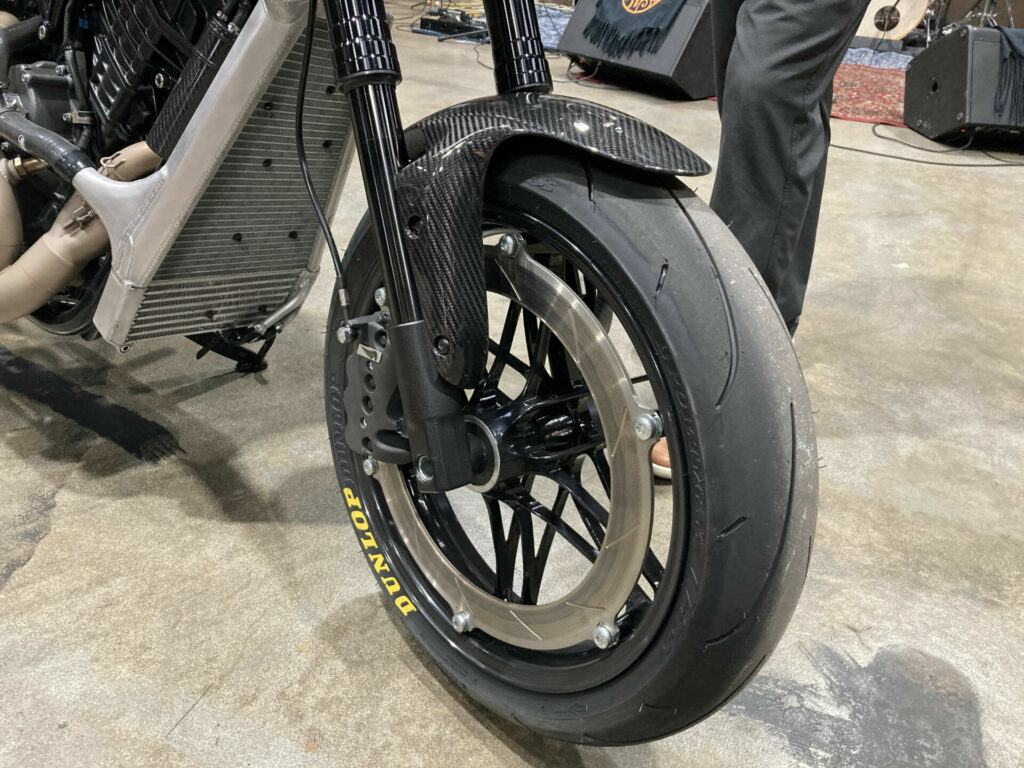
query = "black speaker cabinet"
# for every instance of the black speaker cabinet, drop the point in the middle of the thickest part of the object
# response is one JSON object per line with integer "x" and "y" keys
{"x": 684, "y": 66}
{"x": 951, "y": 85}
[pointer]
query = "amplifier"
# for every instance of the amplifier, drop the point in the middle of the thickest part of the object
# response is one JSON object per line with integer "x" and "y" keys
{"x": 951, "y": 85}
{"x": 684, "y": 66}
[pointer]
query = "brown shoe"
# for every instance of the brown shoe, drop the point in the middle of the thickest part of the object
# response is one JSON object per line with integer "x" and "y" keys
{"x": 660, "y": 462}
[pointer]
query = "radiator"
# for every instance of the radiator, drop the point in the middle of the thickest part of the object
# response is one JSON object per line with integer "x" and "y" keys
{"x": 253, "y": 236}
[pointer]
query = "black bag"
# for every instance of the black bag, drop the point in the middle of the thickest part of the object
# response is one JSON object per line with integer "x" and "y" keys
{"x": 622, "y": 27}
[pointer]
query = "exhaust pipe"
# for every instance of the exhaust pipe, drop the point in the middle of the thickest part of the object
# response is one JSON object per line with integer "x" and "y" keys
{"x": 11, "y": 234}
{"x": 10, "y": 217}
{"x": 76, "y": 238}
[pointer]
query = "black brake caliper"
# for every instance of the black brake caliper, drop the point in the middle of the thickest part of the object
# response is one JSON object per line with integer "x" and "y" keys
{"x": 372, "y": 405}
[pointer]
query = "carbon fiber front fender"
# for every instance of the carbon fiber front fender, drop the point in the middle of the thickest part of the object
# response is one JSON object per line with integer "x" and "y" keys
{"x": 441, "y": 196}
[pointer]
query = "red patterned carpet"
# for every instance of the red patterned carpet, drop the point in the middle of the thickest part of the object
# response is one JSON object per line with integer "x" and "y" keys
{"x": 869, "y": 94}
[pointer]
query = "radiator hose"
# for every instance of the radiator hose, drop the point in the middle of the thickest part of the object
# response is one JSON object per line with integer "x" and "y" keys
{"x": 76, "y": 238}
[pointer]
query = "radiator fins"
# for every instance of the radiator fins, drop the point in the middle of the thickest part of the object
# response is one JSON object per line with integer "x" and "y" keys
{"x": 253, "y": 233}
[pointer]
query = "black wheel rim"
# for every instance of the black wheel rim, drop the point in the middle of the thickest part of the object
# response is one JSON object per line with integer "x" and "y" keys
{"x": 584, "y": 666}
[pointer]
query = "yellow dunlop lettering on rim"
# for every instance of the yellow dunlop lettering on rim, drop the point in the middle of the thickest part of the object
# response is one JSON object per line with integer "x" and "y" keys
{"x": 373, "y": 553}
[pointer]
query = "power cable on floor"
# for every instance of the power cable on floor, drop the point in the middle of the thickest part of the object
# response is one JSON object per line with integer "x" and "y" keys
{"x": 1000, "y": 163}
{"x": 897, "y": 140}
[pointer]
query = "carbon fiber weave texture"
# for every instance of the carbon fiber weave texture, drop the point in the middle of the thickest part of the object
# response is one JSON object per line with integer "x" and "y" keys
{"x": 441, "y": 195}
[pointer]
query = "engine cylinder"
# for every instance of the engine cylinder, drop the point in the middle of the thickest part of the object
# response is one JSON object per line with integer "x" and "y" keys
{"x": 144, "y": 46}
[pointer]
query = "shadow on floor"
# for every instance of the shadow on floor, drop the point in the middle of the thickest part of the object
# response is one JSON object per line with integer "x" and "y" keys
{"x": 142, "y": 438}
{"x": 903, "y": 708}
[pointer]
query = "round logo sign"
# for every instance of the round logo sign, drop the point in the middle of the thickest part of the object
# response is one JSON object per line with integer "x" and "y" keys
{"x": 639, "y": 6}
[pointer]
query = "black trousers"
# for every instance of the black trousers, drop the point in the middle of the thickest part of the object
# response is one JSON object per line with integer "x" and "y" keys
{"x": 776, "y": 60}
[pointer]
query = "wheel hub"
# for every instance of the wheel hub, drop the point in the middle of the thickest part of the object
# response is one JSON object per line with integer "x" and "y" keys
{"x": 534, "y": 437}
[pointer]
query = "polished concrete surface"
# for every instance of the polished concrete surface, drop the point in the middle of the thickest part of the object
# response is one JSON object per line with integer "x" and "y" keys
{"x": 185, "y": 589}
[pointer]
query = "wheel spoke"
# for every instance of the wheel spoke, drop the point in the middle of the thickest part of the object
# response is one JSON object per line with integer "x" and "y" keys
{"x": 538, "y": 342}
{"x": 511, "y": 360}
{"x": 595, "y": 518}
{"x": 435, "y": 510}
{"x": 475, "y": 566}
{"x": 546, "y": 540}
{"x": 604, "y": 472}
{"x": 589, "y": 506}
{"x": 634, "y": 609}
{"x": 531, "y": 576}
{"x": 504, "y": 347}
{"x": 504, "y": 554}
{"x": 525, "y": 501}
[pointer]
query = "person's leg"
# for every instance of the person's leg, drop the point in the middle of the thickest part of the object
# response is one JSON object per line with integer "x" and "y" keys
{"x": 723, "y": 34}
{"x": 775, "y": 60}
{"x": 775, "y": 133}
{"x": 791, "y": 291}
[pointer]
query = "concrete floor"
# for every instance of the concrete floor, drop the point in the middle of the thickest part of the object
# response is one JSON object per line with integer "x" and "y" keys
{"x": 211, "y": 608}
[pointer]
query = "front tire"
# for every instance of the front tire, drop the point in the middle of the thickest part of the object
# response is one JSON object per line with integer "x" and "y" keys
{"x": 736, "y": 527}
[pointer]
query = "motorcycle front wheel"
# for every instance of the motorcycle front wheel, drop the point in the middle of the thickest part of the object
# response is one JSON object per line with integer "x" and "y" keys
{"x": 570, "y": 592}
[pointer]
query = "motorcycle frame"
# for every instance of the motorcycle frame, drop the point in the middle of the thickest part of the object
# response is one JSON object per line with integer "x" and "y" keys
{"x": 144, "y": 218}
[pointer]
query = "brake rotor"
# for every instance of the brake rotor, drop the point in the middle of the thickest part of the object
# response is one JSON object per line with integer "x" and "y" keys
{"x": 596, "y": 601}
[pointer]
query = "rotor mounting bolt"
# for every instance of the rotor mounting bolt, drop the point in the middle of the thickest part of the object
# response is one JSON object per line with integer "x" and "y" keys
{"x": 606, "y": 635}
{"x": 507, "y": 245}
{"x": 370, "y": 466}
{"x": 381, "y": 297}
{"x": 346, "y": 334}
{"x": 463, "y": 622}
{"x": 648, "y": 426}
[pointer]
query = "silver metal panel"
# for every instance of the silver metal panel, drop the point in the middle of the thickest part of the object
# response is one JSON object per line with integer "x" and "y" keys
{"x": 253, "y": 236}
{"x": 144, "y": 218}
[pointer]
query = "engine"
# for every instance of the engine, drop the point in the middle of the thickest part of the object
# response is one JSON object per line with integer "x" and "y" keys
{"x": 109, "y": 69}
{"x": 139, "y": 51}
{"x": 121, "y": 79}
{"x": 96, "y": 73}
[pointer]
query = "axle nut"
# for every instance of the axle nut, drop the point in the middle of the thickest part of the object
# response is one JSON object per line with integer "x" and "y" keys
{"x": 380, "y": 296}
{"x": 425, "y": 470}
{"x": 370, "y": 466}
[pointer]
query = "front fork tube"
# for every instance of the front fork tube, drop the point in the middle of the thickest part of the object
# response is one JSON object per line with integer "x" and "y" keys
{"x": 519, "y": 61}
{"x": 432, "y": 408}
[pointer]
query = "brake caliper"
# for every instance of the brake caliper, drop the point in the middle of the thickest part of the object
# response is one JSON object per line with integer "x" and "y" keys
{"x": 373, "y": 408}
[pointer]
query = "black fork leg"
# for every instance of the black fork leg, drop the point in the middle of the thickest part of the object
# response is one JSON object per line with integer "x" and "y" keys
{"x": 519, "y": 62}
{"x": 368, "y": 73}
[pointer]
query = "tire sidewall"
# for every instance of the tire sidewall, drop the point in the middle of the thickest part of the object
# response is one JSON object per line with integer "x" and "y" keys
{"x": 551, "y": 188}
